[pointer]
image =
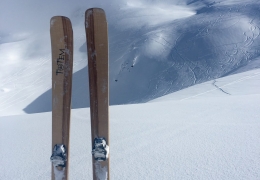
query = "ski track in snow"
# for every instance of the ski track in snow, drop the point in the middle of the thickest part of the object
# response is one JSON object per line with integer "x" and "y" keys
{"x": 235, "y": 52}
{"x": 214, "y": 84}
{"x": 234, "y": 82}
{"x": 148, "y": 59}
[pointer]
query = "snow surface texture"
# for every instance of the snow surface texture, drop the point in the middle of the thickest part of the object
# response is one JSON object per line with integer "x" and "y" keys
{"x": 156, "y": 48}
{"x": 59, "y": 174}
{"x": 100, "y": 172}
{"x": 204, "y": 134}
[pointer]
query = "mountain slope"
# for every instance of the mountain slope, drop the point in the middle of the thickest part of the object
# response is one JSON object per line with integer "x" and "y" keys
{"x": 211, "y": 135}
{"x": 156, "y": 48}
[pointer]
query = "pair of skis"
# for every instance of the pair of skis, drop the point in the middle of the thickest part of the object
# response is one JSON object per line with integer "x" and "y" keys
{"x": 62, "y": 68}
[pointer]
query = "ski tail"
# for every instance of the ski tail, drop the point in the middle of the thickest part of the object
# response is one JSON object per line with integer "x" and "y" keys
{"x": 97, "y": 48}
{"x": 62, "y": 66}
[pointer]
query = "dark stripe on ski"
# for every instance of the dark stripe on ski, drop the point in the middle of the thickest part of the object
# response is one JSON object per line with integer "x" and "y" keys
{"x": 92, "y": 72}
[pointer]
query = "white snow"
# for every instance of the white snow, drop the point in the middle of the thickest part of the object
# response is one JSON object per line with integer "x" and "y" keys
{"x": 59, "y": 174}
{"x": 154, "y": 54}
{"x": 211, "y": 135}
{"x": 193, "y": 67}
{"x": 101, "y": 172}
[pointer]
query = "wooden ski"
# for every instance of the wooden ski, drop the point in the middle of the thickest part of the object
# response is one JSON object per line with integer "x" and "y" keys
{"x": 62, "y": 64}
{"x": 97, "y": 48}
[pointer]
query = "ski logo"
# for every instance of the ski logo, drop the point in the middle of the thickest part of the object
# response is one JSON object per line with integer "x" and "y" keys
{"x": 60, "y": 62}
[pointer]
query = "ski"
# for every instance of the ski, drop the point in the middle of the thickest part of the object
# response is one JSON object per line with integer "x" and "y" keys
{"x": 97, "y": 48}
{"x": 62, "y": 64}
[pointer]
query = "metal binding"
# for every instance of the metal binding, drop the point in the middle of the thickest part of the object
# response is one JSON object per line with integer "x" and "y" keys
{"x": 59, "y": 155}
{"x": 100, "y": 149}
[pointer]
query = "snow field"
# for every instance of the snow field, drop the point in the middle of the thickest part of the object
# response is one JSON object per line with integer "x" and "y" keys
{"x": 207, "y": 137}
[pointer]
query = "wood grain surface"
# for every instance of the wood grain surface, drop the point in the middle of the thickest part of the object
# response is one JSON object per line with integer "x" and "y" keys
{"x": 97, "y": 48}
{"x": 62, "y": 64}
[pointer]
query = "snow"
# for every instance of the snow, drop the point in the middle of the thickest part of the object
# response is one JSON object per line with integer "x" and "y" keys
{"x": 210, "y": 135}
{"x": 192, "y": 67}
{"x": 101, "y": 172}
{"x": 230, "y": 85}
{"x": 59, "y": 174}
{"x": 178, "y": 43}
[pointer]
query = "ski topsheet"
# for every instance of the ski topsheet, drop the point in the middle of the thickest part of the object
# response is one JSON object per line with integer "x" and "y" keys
{"x": 97, "y": 48}
{"x": 62, "y": 64}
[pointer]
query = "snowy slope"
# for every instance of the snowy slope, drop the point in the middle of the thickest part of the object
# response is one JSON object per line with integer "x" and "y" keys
{"x": 155, "y": 48}
{"x": 219, "y": 39}
{"x": 227, "y": 86}
{"x": 206, "y": 134}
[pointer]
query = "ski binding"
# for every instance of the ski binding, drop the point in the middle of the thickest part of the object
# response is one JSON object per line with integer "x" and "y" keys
{"x": 59, "y": 155}
{"x": 100, "y": 149}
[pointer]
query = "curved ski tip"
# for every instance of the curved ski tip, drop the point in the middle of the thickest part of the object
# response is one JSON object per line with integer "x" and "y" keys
{"x": 90, "y": 11}
{"x": 99, "y": 10}
{"x": 53, "y": 20}
{"x": 58, "y": 18}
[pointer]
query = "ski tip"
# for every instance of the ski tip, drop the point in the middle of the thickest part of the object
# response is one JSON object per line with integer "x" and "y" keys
{"x": 54, "y": 19}
{"x": 91, "y": 11}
